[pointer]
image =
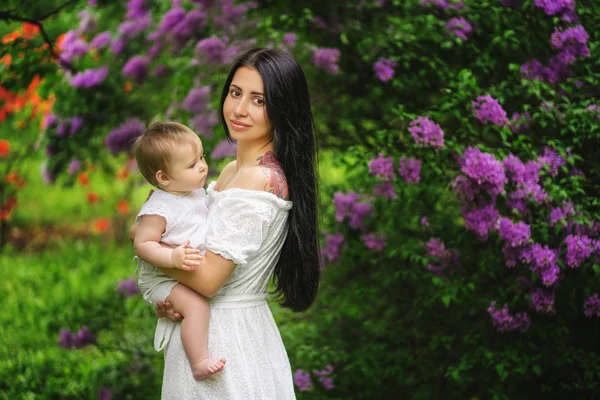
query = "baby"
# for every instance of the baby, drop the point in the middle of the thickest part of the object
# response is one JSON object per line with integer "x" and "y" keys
{"x": 171, "y": 158}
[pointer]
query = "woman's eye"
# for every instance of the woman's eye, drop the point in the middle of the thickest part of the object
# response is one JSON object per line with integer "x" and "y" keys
{"x": 235, "y": 93}
{"x": 258, "y": 101}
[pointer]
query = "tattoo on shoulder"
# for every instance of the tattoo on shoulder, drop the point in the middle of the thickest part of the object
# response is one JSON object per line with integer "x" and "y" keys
{"x": 273, "y": 170}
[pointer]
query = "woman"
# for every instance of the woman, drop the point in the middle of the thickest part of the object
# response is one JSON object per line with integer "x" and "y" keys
{"x": 262, "y": 223}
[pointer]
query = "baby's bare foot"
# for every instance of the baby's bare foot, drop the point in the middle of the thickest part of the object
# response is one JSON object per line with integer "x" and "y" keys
{"x": 207, "y": 367}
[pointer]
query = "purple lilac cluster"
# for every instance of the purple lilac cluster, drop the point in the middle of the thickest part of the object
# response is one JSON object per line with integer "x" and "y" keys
{"x": 74, "y": 167}
{"x": 100, "y": 40}
{"x": 327, "y": 58}
{"x": 441, "y": 259}
{"x": 89, "y": 78}
{"x": 487, "y": 109}
{"x": 325, "y": 376}
{"x": 385, "y": 190}
{"x": 121, "y": 139}
{"x": 136, "y": 68}
{"x": 83, "y": 337}
{"x": 66, "y": 126}
{"x": 410, "y": 170}
{"x": 561, "y": 214}
{"x": 552, "y": 160}
{"x": 128, "y": 287}
{"x": 197, "y": 100}
{"x": 382, "y": 167}
{"x": 213, "y": 50}
{"x": 481, "y": 221}
{"x": 232, "y": 15}
{"x": 525, "y": 177}
{"x": 426, "y": 132}
{"x": 424, "y": 222}
{"x": 543, "y": 261}
{"x": 591, "y": 306}
{"x": 384, "y": 69}
{"x": 579, "y": 249}
{"x": 302, "y": 380}
{"x": 519, "y": 123}
{"x": 554, "y": 7}
{"x": 87, "y": 22}
{"x": 504, "y": 322}
{"x": 289, "y": 39}
{"x": 333, "y": 247}
{"x": 484, "y": 170}
{"x": 460, "y": 27}
{"x": 348, "y": 206}
{"x": 224, "y": 149}
{"x": 374, "y": 241}
{"x": 73, "y": 47}
{"x": 514, "y": 234}
{"x": 542, "y": 300}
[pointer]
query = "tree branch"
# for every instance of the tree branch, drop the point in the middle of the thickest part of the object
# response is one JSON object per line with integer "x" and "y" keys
{"x": 39, "y": 22}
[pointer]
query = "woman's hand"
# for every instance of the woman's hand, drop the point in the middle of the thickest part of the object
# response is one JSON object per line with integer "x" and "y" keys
{"x": 165, "y": 310}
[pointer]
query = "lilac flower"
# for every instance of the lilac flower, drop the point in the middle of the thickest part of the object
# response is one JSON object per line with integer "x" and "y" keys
{"x": 442, "y": 258}
{"x": 73, "y": 46}
{"x": 559, "y": 214}
{"x": 484, "y": 169}
{"x": 504, "y": 322}
{"x": 65, "y": 339}
{"x": 382, "y": 167}
{"x": 102, "y": 39}
{"x": 120, "y": 140}
{"x": 516, "y": 235}
{"x": 481, "y": 221}
{"x": 384, "y": 69}
{"x": 465, "y": 189}
{"x": 62, "y": 128}
{"x": 542, "y": 301}
{"x": 76, "y": 125}
{"x": 160, "y": 70}
{"x": 49, "y": 120}
{"x": 517, "y": 200}
{"x": 92, "y": 3}
{"x": 89, "y": 78}
{"x": 137, "y": 68}
{"x": 591, "y": 307}
{"x": 74, "y": 166}
{"x": 359, "y": 212}
{"x": 410, "y": 169}
{"x": 543, "y": 262}
{"x": 117, "y": 45}
{"x": 343, "y": 204}
{"x": 128, "y": 287}
{"x": 212, "y": 50}
{"x": 385, "y": 190}
{"x": 553, "y": 7}
{"x": 424, "y": 222}
{"x": 135, "y": 9}
{"x": 133, "y": 28}
{"x": 87, "y": 22}
{"x": 333, "y": 247}
{"x": 231, "y": 14}
{"x": 459, "y": 27}
{"x": 324, "y": 377}
{"x": 327, "y": 382}
{"x": 574, "y": 38}
{"x": 302, "y": 380}
{"x": 552, "y": 160}
{"x": 533, "y": 70}
{"x": 224, "y": 149}
{"x": 487, "y": 109}
{"x": 319, "y": 22}
{"x": 579, "y": 248}
{"x": 104, "y": 394}
{"x": 192, "y": 23}
{"x": 327, "y": 59}
{"x": 203, "y": 123}
{"x": 47, "y": 176}
{"x": 83, "y": 338}
{"x": 520, "y": 122}
{"x": 171, "y": 18}
{"x": 289, "y": 39}
{"x": 197, "y": 100}
{"x": 511, "y": 3}
{"x": 512, "y": 254}
{"x": 374, "y": 241}
{"x": 426, "y": 132}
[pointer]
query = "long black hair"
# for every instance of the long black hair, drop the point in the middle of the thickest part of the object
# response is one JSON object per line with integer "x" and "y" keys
{"x": 295, "y": 147}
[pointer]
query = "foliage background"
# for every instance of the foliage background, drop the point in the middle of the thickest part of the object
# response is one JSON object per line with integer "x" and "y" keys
{"x": 398, "y": 316}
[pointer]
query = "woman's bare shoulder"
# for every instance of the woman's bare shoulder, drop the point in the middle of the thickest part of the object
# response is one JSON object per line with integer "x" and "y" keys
{"x": 262, "y": 177}
{"x": 225, "y": 176}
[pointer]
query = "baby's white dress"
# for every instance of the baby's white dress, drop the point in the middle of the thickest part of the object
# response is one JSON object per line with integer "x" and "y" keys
{"x": 186, "y": 217}
{"x": 249, "y": 228}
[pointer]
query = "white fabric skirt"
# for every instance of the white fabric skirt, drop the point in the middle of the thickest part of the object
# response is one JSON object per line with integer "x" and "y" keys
{"x": 242, "y": 330}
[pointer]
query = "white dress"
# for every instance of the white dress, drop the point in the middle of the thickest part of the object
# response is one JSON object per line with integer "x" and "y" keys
{"x": 249, "y": 228}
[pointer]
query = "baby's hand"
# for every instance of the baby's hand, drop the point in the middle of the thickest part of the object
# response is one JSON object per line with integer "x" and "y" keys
{"x": 184, "y": 258}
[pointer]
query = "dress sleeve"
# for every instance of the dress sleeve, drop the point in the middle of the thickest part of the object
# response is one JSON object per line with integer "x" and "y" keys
{"x": 237, "y": 227}
{"x": 155, "y": 205}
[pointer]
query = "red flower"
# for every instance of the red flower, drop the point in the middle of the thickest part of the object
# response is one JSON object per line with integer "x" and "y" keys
{"x": 83, "y": 179}
{"x": 92, "y": 197}
{"x": 123, "y": 207}
{"x": 101, "y": 225}
{"x": 4, "y": 148}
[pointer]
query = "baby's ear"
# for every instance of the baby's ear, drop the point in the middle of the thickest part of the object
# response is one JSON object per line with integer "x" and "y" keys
{"x": 162, "y": 178}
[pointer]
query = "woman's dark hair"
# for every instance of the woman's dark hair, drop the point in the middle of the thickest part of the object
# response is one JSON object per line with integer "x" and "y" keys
{"x": 295, "y": 147}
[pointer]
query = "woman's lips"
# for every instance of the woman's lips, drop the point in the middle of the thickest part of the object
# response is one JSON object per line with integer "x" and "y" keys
{"x": 239, "y": 126}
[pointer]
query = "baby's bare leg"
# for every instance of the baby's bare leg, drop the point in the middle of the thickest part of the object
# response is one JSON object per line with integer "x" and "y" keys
{"x": 194, "y": 330}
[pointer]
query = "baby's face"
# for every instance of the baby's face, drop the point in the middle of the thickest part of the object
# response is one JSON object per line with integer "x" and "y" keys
{"x": 188, "y": 170}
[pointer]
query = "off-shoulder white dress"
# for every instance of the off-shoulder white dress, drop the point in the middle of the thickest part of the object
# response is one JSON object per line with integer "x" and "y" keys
{"x": 249, "y": 228}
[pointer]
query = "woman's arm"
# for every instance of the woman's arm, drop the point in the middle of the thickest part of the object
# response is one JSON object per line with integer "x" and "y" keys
{"x": 208, "y": 277}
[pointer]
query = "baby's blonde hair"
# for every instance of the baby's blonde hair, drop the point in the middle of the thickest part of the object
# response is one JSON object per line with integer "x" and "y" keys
{"x": 154, "y": 149}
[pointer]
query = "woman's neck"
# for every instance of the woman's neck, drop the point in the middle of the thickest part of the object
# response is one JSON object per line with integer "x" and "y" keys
{"x": 249, "y": 152}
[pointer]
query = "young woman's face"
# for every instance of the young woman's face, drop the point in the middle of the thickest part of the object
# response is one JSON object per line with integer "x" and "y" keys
{"x": 244, "y": 109}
